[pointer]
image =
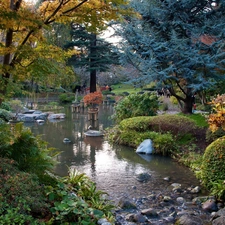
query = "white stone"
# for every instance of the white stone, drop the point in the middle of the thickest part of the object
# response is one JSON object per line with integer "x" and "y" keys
{"x": 145, "y": 147}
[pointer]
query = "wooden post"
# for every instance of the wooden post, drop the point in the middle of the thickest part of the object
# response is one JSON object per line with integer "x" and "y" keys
{"x": 75, "y": 108}
{"x": 93, "y": 114}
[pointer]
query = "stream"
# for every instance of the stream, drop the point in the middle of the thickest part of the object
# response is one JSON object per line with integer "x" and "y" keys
{"x": 113, "y": 168}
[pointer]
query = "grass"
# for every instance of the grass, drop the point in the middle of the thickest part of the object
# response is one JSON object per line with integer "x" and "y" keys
{"x": 118, "y": 89}
{"x": 199, "y": 119}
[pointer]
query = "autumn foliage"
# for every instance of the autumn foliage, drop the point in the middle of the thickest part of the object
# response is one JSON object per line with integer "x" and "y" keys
{"x": 217, "y": 119}
{"x": 92, "y": 99}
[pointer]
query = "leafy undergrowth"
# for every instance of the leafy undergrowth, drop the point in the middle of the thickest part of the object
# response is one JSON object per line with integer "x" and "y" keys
{"x": 69, "y": 200}
{"x": 22, "y": 198}
{"x": 171, "y": 134}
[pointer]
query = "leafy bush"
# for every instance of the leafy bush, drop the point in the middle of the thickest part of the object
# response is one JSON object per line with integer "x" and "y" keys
{"x": 178, "y": 125}
{"x": 213, "y": 166}
{"x": 139, "y": 123}
{"x": 53, "y": 103}
{"x": 92, "y": 99}
{"x": 76, "y": 201}
{"x": 179, "y": 131}
{"x": 163, "y": 143}
{"x": 106, "y": 92}
{"x": 212, "y": 136}
{"x": 6, "y": 106}
{"x": 29, "y": 151}
{"x": 66, "y": 98}
{"x": 5, "y": 115}
{"x": 21, "y": 195}
{"x": 174, "y": 100}
{"x": 218, "y": 189}
{"x": 136, "y": 105}
{"x": 217, "y": 119}
{"x": 164, "y": 106}
{"x": 16, "y": 106}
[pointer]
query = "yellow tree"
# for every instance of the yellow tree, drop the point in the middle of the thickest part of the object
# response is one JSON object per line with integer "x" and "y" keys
{"x": 217, "y": 119}
{"x": 24, "y": 49}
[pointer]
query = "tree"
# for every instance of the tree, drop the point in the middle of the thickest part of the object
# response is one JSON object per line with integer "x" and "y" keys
{"x": 24, "y": 48}
{"x": 95, "y": 54}
{"x": 216, "y": 119}
{"x": 177, "y": 44}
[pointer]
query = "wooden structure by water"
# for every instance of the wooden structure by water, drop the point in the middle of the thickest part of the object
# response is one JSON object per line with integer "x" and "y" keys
{"x": 93, "y": 114}
{"x": 75, "y": 108}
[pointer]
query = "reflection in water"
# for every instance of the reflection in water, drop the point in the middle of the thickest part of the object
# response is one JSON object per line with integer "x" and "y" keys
{"x": 113, "y": 168}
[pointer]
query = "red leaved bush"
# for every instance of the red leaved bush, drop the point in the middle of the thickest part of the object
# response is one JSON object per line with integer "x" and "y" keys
{"x": 92, "y": 99}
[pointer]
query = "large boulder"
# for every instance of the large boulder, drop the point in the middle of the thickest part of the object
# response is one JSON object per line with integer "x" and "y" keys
{"x": 146, "y": 147}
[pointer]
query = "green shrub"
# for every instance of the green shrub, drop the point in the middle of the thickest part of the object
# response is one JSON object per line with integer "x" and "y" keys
{"x": 178, "y": 125}
{"x": 213, "y": 166}
{"x": 139, "y": 123}
{"x": 212, "y": 136}
{"x": 164, "y": 144}
{"x": 21, "y": 195}
{"x": 204, "y": 107}
{"x": 174, "y": 100}
{"x": 66, "y": 98}
{"x": 136, "y": 105}
{"x": 193, "y": 160}
{"x": 5, "y": 115}
{"x": 16, "y": 106}
{"x": 77, "y": 201}
{"x": 6, "y": 106}
{"x": 30, "y": 152}
{"x": 106, "y": 92}
{"x": 218, "y": 189}
{"x": 53, "y": 103}
{"x": 179, "y": 131}
{"x": 164, "y": 106}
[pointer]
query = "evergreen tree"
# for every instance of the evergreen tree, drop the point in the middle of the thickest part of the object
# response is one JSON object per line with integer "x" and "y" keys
{"x": 95, "y": 54}
{"x": 178, "y": 44}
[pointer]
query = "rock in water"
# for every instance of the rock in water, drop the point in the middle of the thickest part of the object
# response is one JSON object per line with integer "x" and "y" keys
{"x": 145, "y": 147}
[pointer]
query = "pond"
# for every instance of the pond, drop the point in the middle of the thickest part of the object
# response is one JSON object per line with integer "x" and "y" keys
{"x": 113, "y": 168}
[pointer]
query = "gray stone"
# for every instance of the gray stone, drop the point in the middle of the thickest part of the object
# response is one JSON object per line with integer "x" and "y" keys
{"x": 218, "y": 218}
{"x": 167, "y": 198}
{"x": 210, "y": 205}
{"x": 124, "y": 203}
{"x": 195, "y": 190}
{"x": 143, "y": 177}
{"x": 189, "y": 220}
{"x": 169, "y": 219}
{"x": 103, "y": 221}
{"x": 149, "y": 212}
{"x": 200, "y": 199}
{"x": 219, "y": 221}
{"x": 166, "y": 178}
{"x": 180, "y": 200}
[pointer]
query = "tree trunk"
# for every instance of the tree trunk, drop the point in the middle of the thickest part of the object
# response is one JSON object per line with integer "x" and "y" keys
{"x": 188, "y": 104}
{"x": 7, "y": 57}
{"x": 93, "y": 81}
{"x": 93, "y": 71}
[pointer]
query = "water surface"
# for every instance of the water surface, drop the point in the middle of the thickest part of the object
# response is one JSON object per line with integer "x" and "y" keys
{"x": 113, "y": 168}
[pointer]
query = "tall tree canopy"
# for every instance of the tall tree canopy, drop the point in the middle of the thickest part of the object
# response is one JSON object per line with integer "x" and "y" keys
{"x": 95, "y": 54}
{"x": 177, "y": 44}
{"x": 26, "y": 53}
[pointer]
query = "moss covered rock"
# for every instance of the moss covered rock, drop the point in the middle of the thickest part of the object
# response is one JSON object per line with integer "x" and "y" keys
{"x": 213, "y": 166}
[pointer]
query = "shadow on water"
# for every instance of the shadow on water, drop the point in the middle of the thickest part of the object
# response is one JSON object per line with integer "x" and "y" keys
{"x": 113, "y": 168}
